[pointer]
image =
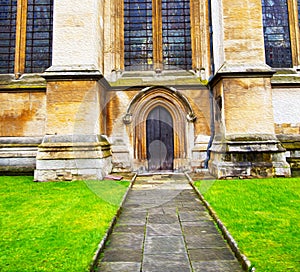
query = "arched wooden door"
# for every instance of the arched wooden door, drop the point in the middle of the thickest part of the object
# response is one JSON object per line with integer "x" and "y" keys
{"x": 160, "y": 139}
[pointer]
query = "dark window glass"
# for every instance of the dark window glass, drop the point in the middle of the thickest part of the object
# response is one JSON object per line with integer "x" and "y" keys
{"x": 138, "y": 35}
{"x": 39, "y": 35}
{"x": 276, "y": 33}
{"x": 177, "y": 51}
{"x": 8, "y": 12}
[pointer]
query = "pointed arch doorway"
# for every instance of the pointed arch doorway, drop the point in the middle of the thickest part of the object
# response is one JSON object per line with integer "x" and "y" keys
{"x": 152, "y": 116}
{"x": 160, "y": 139}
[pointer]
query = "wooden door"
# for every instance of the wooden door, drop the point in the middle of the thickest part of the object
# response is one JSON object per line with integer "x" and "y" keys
{"x": 160, "y": 139}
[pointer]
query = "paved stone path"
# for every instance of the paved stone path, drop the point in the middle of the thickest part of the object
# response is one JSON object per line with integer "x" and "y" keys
{"x": 164, "y": 227}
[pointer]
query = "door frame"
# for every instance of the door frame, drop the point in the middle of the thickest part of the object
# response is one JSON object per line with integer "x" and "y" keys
{"x": 182, "y": 114}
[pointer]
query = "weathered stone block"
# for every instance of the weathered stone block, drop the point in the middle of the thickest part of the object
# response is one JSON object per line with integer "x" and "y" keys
{"x": 78, "y": 157}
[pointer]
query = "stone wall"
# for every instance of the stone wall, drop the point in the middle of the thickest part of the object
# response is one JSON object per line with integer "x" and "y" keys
{"x": 23, "y": 106}
{"x": 286, "y": 110}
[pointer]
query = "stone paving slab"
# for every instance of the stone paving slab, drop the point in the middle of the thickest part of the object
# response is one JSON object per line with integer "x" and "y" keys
{"x": 121, "y": 255}
{"x": 162, "y": 218}
{"x": 120, "y": 267}
{"x": 164, "y": 227}
{"x": 136, "y": 229}
{"x": 216, "y": 266}
{"x": 164, "y": 244}
{"x": 210, "y": 254}
{"x": 120, "y": 241}
{"x": 166, "y": 262}
{"x": 204, "y": 241}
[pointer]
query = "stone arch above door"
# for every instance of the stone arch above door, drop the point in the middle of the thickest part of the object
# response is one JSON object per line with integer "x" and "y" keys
{"x": 140, "y": 107}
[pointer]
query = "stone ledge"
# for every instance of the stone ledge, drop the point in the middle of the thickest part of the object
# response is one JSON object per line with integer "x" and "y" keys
{"x": 242, "y": 70}
{"x": 27, "y": 82}
{"x": 290, "y": 142}
{"x": 18, "y": 154}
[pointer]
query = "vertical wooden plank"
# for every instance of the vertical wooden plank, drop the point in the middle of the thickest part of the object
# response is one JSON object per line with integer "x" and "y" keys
{"x": 20, "y": 52}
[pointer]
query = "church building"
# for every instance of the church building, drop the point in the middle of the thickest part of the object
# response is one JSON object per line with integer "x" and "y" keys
{"x": 93, "y": 87}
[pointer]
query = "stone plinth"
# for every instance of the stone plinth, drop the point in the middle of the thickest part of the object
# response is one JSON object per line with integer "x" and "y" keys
{"x": 73, "y": 157}
{"x": 245, "y": 143}
{"x": 73, "y": 148}
{"x": 257, "y": 156}
{"x": 292, "y": 145}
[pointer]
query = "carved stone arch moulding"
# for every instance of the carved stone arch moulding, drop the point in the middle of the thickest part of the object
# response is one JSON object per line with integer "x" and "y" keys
{"x": 144, "y": 102}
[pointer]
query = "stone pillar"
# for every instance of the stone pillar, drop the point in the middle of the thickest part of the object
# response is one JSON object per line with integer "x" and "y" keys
{"x": 74, "y": 146}
{"x": 78, "y": 33}
{"x": 244, "y": 143}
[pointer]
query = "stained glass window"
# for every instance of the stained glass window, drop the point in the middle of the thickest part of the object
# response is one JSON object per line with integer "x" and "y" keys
{"x": 276, "y": 33}
{"x": 176, "y": 34}
{"x": 138, "y": 40}
{"x": 8, "y": 12}
{"x": 39, "y": 35}
{"x": 171, "y": 28}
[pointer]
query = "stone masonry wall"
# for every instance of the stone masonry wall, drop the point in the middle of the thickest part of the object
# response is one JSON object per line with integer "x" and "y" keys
{"x": 286, "y": 110}
{"x": 22, "y": 113}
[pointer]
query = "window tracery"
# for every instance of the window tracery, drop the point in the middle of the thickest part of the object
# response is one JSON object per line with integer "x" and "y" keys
{"x": 38, "y": 35}
{"x": 25, "y": 35}
{"x": 157, "y": 34}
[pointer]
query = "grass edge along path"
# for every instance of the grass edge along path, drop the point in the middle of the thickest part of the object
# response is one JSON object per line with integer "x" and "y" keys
{"x": 55, "y": 226}
{"x": 262, "y": 215}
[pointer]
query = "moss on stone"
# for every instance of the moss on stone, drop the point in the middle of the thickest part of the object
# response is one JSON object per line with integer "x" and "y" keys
{"x": 28, "y": 81}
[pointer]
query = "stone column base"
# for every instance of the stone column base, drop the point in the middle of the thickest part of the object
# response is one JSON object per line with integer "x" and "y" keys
{"x": 73, "y": 157}
{"x": 292, "y": 145}
{"x": 252, "y": 156}
{"x": 199, "y": 152}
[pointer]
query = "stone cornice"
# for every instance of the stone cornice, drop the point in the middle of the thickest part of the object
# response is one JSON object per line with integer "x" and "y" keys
{"x": 241, "y": 70}
{"x": 72, "y": 73}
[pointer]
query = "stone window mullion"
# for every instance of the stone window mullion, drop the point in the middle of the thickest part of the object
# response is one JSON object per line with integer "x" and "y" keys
{"x": 20, "y": 49}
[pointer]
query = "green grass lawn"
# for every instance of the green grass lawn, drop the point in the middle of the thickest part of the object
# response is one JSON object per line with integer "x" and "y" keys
{"x": 263, "y": 216}
{"x": 54, "y": 226}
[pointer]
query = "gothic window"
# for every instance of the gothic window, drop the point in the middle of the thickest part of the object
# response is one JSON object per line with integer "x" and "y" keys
{"x": 8, "y": 11}
{"x": 157, "y": 34}
{"x": 276, "y": 33}
{"x": 176, "y": 34}
{"x": 38, "y": 35}
{"x": 138, "y": 42}
{"x": 25, "y": 35}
